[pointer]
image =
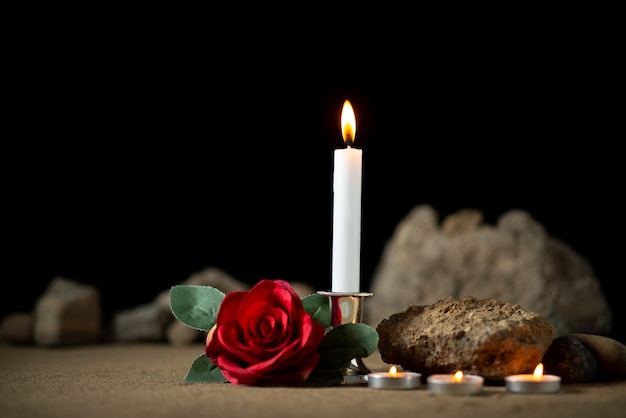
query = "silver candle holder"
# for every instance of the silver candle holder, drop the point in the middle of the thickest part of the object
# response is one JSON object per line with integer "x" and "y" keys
{"x": 347, "y": 308}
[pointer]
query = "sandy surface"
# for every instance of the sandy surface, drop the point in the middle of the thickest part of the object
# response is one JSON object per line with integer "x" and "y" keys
{"x": 147, "y": 380}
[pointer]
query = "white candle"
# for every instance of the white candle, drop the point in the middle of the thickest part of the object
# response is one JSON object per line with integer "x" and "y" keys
{"x": 346, "y": 269}
{"x": 393, "y": 379}
{"x": 533, "y": 383}
{"x": 455, "y": 384}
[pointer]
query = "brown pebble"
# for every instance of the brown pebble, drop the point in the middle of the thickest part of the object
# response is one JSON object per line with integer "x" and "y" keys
{"x": 611, "y": 354}
{"x": 568, "y": 358}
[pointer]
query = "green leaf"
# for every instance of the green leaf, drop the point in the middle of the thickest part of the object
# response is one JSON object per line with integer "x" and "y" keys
{"x": 318, "y": 306}
{"x": 345, "y": 342}
{"x": 196, "y": 306}
{"x": 202, "y": 370}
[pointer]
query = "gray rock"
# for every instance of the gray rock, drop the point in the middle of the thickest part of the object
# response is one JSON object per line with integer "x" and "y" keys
{"x": 516, "y": 261}
{"x": 144, "y": 323}
{"x": 302, "y": 289}
{"x": 178, "y": 333}
{"x": 155, "y": 321}
{"x": 68, "y": 313}
{"x": 217, "y": 278}
{"x": 486, "y": 337}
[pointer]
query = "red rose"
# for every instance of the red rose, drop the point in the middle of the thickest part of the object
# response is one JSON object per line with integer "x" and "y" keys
{"x": 265, "y": 336}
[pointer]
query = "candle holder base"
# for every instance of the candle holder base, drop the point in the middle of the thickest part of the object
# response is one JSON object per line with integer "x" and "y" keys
{"x": 347, "y": 308}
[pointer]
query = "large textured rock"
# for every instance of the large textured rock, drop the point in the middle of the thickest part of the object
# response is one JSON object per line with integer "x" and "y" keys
{"x": 516, "y": 261}
{"x": 486, "y": 337}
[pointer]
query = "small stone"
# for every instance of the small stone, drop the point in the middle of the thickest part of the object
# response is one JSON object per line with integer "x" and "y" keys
{"x": 142, "y": 323}
{"x": 68, "y": 313}
{"x": 568, "y": 358}
{"x": 611, "y": 354}
{"x": 17, "y": 328}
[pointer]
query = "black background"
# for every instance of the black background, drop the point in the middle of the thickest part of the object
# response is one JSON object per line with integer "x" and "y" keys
{"x": 134, "y": 161}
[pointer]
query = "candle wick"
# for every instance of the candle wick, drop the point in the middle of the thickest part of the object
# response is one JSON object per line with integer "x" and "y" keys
{"x": 349, "y": 139}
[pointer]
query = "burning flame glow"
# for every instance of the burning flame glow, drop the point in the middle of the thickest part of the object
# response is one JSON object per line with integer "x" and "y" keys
{"x": 538, "y": 372}
{"x": 393, "y": 371}
{"x": 458, "y": 377}
{"x": 348, "y": 123}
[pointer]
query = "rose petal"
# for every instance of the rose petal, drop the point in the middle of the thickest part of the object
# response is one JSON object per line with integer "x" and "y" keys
{"x": 230, "y": 306}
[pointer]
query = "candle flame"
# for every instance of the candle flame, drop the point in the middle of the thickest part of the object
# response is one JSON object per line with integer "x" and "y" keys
{"x": 458, "y": 377}
{"x": 348, "y": 123}
{"x": 538, "y": 372}
{"x": 393, "y": 371}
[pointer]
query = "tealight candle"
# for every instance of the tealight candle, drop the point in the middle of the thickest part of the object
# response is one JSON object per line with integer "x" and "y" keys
{"x": 533, "y": 383}
{"x": 393, "y": 379}
{"x": 455, "y": 384}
